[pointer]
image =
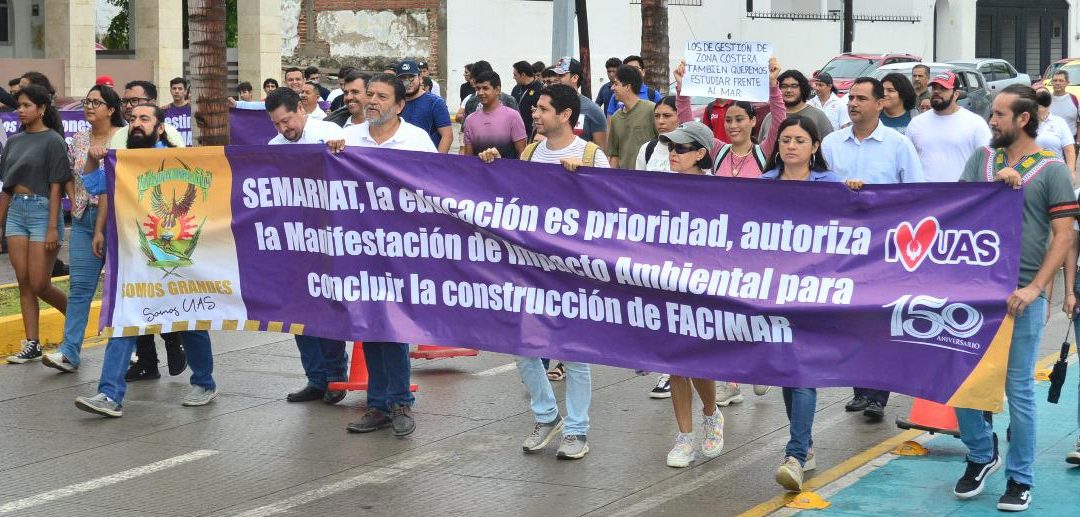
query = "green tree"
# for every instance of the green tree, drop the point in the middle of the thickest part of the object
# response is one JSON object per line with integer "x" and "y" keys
{"x": 118, "y": 35}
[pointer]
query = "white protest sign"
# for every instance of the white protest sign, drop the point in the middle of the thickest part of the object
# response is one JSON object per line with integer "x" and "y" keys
{"x": 737, "y": 70}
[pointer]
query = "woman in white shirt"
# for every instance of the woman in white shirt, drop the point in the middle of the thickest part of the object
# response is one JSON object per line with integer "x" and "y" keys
{"x": 1054, "y": 134}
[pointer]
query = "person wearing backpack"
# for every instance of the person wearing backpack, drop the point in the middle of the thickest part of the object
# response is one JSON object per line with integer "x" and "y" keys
{"x": 555, "y": 116}
{"x": 644, "y": 92}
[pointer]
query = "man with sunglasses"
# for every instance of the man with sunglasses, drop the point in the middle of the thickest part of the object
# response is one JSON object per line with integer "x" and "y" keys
{"x": 137, "y": 93}
{"x": 423, "y": 109}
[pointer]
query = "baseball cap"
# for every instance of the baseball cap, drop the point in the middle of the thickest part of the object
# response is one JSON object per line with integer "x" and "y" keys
{"x": 567, "y": 65}
{"x": 945, "y": 79}
{"x": 690, "y": 133}
{"x": 105, "y": 80}
{"x": 824, "y": 78}
{"x": 422, "y": 65}
{"x": 408, "y": 67}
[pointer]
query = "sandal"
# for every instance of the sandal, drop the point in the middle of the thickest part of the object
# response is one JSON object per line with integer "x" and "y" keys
{"x": 557, "y": 373}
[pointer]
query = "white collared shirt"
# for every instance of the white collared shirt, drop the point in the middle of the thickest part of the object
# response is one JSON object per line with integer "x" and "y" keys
{"x": 315, "y": 132}
{"x": 317, "y": 113}
{"x": 835, "y": 108}
{"x": 885, "y": 156}
{"x": 407, "y": 138}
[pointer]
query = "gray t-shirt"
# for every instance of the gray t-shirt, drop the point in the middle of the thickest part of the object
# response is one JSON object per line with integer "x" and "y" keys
{"x": 1064, "y": 107}
{"x": 591, "y": 119}
{"x": 819, "y": 118}
{"x": 1047, "y": 196}
{"x": 34, "y": 160}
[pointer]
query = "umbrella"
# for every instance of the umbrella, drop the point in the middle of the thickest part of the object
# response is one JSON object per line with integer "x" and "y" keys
{"x": 1057, "y": 375}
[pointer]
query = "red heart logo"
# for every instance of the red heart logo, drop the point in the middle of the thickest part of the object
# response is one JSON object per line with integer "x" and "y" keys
{"x": 912, "y": 245}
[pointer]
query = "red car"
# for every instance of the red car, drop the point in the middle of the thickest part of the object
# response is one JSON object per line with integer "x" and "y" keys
{"x": 849, "y": 66}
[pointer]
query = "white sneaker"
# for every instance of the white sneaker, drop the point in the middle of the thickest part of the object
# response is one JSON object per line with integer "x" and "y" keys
{"x": 662, "y": 389}
{"x": 58, "y": 361}
{"x": 1073, "y": 458}
{"x": 728, "y": 393}
{"x": 682, "y": 454}
{"x": 199, "y": 396}
{"x": 810, "y": 463}
{"x": 790, "y": 474}
{"x": 760, "y": 390}
{"x": 713, "y": 443}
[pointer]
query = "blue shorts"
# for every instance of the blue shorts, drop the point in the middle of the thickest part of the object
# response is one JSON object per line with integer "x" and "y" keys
{"x": 28, "y": 216}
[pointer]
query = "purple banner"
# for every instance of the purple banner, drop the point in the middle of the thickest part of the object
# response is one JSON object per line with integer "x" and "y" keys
{"x": 250, "y": 127}
{"x": 755, "y": 281}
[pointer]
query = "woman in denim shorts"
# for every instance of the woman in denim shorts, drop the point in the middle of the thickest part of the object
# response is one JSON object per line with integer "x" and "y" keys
{"x": 34, "y": 167}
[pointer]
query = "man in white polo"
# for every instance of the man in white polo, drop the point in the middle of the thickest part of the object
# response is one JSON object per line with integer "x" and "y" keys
{"x": 384, "y": 126}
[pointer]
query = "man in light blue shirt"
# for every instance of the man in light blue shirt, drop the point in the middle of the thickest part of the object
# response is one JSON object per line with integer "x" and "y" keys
{"x": 869, "y": 152}
{"x": 866, "y": 150}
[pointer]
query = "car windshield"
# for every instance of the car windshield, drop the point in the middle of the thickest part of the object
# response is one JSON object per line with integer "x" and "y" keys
{"x": 1073, "y": 70}
{"x": 848, "y": 67}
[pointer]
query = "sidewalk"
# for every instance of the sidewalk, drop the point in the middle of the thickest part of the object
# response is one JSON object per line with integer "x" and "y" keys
{"x": 922, "y": 485}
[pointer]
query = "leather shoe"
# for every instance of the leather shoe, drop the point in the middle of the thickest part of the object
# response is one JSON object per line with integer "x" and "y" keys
{"x": 858, "y": 403}
{"x": 141, "y": 371}
{"x": 874, "y": 411}
{"x": 333, "y": 397}
{"x": 174, "y": 351}
{"x": 307, "y": 394}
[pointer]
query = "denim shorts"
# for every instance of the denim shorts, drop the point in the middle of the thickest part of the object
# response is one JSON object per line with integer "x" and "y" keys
{"x": 28, "y": 216}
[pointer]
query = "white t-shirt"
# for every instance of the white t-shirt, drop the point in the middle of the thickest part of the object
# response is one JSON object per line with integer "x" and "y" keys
{"x": 576, "y": 149}
{"x": 659, "y": 161}
{"x": 835, "y": 108}
{"x": 945, "y": 142}
{"x": 1054, "y": 135}
{"x": 407, "y": 138}
{"x": 315, "y": 132}
{"x": 1064, "y": 107}
{"x": 335, "y": 93}
{"x": 317, "y": 114}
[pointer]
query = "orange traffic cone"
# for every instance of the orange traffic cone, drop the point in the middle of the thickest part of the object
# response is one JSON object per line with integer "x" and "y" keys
{"x": 931, "y": 417}
{"x": 358, "y": 374}
{"x": 439, "y": 352}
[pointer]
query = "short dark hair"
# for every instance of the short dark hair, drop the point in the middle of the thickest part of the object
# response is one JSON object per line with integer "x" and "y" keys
{"x": 1044, "y": 98}
{"x": 491, "y": 78}
{"x": 310, "y": 71}
{"x": 524, "y": 68}
{"x": 903, "y": 87}
{"x": 244, "y": 87}
{"x": 344, "y": 71}
{"x": 426, "y": 82}
{"x": 13, "y": 82}
{"x": 292, "y": 69}
{"x": 876, "y": 88}
{"x": 817, "y": 160}
{"x": 920, "y": 65}
{"x": 627, "y": 74}
{"x": 612, "y": 62}
{"x": 147, "y": 86}
{"x": 270, "y": 80}
{"x": 1062, "y": 72}
{"x": 804, "y": 83}
{"x": 282, "y": 97}
{"x": 180, "y": 80}
{"x": 356, "y": 74}
{"x": 480, "y": 67}
{"x": 1026, "y": 102}
{"x": 394, "y": 82}
{"x": 40, "y": 79}
{"x": 538, "y": 67}
{"x": 563, "y": 98}
{"x": 634, "y": 58}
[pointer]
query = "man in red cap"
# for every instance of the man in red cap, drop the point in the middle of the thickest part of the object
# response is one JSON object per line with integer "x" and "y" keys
{"x": 946, "y": 136}
{"x": 105, "y": 80}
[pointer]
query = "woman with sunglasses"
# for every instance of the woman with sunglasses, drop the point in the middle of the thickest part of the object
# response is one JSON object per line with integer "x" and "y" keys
{"x": 688, "y": 148}
{"x": 798, "y": 158}
{"x": 102, "y": 110}
{"x": 34, "y": 167}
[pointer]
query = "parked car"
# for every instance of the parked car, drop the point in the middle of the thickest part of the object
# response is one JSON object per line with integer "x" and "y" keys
{"x": 1073, "y": 70}
{"x": 848, "y": 66}
{"x": 1051, "y": 68}
{"x": 998, "y": 73}
{"x": 975, "y": 96}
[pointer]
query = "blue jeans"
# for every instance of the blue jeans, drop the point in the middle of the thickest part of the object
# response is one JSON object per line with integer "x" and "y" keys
{"x": 85, "y": 272}
{"x": 324, "y": 360}
{"x": 118, "y": 353}
{"x": 800, "y": 404}
{"x": 28, "y": 216}
{"x": 542, "y": 397}
{"x": 388, "y": 375}
{"x": 976, "y": 432}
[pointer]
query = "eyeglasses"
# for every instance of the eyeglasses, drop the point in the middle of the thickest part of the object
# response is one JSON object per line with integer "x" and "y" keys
{"x": 135, "y": 101}
{"x": 92, "y": 103}
{"x": 683, "y": 148}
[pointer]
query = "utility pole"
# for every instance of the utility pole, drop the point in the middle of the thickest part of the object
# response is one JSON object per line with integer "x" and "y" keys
{"x": 583, "y": 48}
{"x": 848, "y": 26}
{"x": 562, "y": 29}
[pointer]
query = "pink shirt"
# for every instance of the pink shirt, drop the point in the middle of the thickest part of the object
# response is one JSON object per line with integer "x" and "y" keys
{"x": 748, "y": 168}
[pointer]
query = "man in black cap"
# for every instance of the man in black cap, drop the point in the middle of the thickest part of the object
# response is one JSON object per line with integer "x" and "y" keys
{"x": 826, "y": 100}
{"x": 425, "y": 110}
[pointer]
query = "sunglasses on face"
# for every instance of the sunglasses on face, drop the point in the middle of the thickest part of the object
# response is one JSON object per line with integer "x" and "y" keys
{"x": 682, "y": 148}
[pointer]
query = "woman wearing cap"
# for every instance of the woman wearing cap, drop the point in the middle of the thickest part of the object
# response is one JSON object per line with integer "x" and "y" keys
{"x": 798, "y": 158}
{"x": 688, "y": 152}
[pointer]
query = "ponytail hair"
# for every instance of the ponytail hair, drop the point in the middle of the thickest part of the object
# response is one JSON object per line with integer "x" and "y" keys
{"x": 41, "y": 97}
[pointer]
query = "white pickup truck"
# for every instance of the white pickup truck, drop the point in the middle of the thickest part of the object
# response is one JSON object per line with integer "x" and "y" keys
{"x": 997, "y": 72}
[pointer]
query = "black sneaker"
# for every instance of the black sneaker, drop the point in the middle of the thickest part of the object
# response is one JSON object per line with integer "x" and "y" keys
{"x": 858, "y": 403}
{"x": 974, "y": 479}
{"x": 874, "y": 411}
{"x": 141, "y": 371}
{"x": 1017, "y": 497}
{"x": 174, "y": 353}
{"x": 31, "y": 351}
{"x": 662, "y": 389}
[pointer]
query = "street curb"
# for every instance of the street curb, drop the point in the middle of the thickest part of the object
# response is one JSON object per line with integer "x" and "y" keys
{"x": 51, "y": 323}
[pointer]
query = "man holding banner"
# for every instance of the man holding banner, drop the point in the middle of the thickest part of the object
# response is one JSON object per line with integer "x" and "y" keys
{"x": 324, "y": 360}
{"x": 1049, "y": 208}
